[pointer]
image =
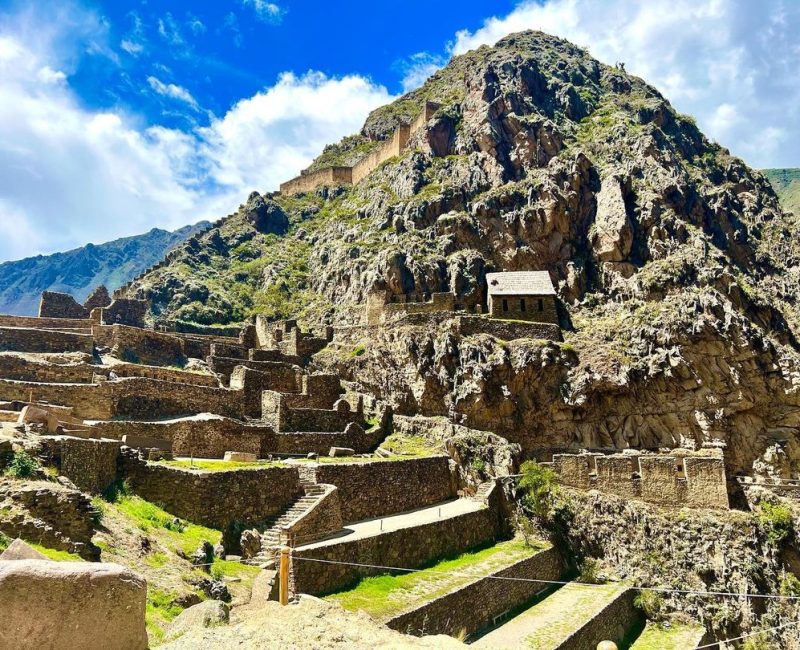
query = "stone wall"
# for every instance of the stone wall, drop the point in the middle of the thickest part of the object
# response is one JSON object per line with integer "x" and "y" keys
{"x": 213, "y": 499}
{"x": 141, "y": 346}
{"x": 90, "y": 464}
{"x": 320, "y": 391}
{"x": 252, "y": 383}
{"x": 541, "y": 309}
{"x": 382, "y": 308}
{"x": 21, "y": 369}
{"x": 407, "y": 547}
{"x": 323, "y": 518}
{"x": 123, "y": 311}
{"x": 377, "y": 489}
{"x": 87, "y": 400}
{"x": 307, "y": 182}
{"x": 158, "y": 372}
{"x": 320, "y": 442}
{"x": 390, "y": 148}
{"x": 610, "y": 624}
{"x": 667, "y": 480}
{"x": 45, "y": 323}
{"x": 278, "y": 415}
{"x": 20, "y": 339}
{"x": 60, "y": 305}
{"x": 474, "y": 606}
{"x": 507, "y": 330}
{"x": 206, "y": 437}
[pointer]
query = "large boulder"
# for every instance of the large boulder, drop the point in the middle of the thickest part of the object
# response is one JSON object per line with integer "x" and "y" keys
{"x": 209, "y": 613}
{"x": 31, "y": 414}
{"x": 265, "y": 215}
{"x": 613, "y": 233}
{"x": 92, "y": 606}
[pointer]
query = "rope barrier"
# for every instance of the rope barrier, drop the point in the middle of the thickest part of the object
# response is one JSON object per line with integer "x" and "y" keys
{"x": 686, "y": 592}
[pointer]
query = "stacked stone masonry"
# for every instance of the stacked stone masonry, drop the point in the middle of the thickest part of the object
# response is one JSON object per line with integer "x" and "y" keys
{"x": 369, "y": 490}
{"x": 673, "y": 481}
{"x": 90, "y": 464}
{"x": 474, "y": 606}
{"x": 393, "y": 146}
{"x": 214, "y": 499}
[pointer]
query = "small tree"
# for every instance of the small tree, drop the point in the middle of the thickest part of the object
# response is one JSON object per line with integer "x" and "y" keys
{"x": 539, "y": 486}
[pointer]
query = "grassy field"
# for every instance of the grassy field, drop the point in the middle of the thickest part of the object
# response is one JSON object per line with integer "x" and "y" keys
{"x": 384, "y": 596}
{"x": 207, "y": 465}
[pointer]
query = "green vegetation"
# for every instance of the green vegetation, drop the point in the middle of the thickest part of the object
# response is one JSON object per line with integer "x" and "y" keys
{"x": 160, "y": 611}
{"x": 22, "y": 465}
{"x": 651, "y": 603}
{"x": 404, "y": 445}
{"x": 358, "y": 351}
{"x": 775, "y": 519}
{"x": 675, "y": 636}
{"x": 589, "y": 572}
{"x": 207, "y": 465}
{"x": 383, "y": 596}
{"x": 786, "y": 183}
{"x": 539, "y": 486}
{"x": 55, "y": 554}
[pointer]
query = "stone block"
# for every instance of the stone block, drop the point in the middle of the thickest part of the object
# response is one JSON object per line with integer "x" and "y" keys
{"x": 92, "y": 606}
{"x": 341, "y": 451}
{"x": 19, "y": 550}
{"x": 240, "y": 457}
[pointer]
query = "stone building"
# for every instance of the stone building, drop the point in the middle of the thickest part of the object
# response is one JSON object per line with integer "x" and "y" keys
{"x": 522, "y": 295}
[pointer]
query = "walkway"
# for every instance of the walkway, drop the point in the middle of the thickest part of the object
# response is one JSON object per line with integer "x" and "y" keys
{"x": 410, "y": 519}
{"x": 548, "y": 623}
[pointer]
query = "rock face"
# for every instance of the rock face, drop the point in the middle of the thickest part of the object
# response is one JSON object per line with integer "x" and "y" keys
{"x": 71, "y": 605}
{"x": 677, "y": 272}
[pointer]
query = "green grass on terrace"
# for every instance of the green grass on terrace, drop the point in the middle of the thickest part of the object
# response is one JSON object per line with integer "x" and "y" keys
{"x": 209, "y": 465}
{"x": 675, "y": 637}
{"x": 387, "y": 595}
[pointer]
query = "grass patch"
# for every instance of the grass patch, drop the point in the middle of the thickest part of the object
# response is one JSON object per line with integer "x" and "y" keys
{"x": 177, "y": 534}
{"x": 160, "y": 611}
{"x": 54, "y": 554}
{"x": 218, "y": 465}
{"x": 675, "y": 637}
{"x": 404, "y": 445}
{"x": 383, "y": 596}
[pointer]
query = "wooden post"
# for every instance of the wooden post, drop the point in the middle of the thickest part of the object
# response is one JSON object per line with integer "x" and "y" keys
{"x": 283, "y": 592}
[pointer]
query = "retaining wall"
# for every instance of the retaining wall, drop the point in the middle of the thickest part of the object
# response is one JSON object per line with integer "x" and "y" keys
{"x": 376, "y": 489}
{"x": 24, "y": 339}
{"x": 277, "y": 414}
{"x": 90, "y": 464}
{"x": 213, "y": 499}
{"x": 46, "y": 323}
{"x": 505, "y": 330}
{"x": 307, "y": 182}
{"x": 673, "y": 481}
{"x": 610, "y": 624}
{"x": 474, "y": 606}
{"x": 408, "y": 548}
{"x": 140, "y": 345}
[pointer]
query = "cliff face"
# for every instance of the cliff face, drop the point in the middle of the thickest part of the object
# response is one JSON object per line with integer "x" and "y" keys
{"x": 676, "y": 268}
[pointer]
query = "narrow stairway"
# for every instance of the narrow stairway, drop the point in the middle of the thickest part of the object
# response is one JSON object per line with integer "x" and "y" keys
{"x": 271, "y": 537}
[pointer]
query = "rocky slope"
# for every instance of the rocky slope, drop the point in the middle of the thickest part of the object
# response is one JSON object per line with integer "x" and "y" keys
{"x": 80, "y": 270}
{"x": 677, "y": 270}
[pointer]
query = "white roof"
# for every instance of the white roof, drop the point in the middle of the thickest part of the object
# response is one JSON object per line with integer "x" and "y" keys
{"x": 520, "y": 283}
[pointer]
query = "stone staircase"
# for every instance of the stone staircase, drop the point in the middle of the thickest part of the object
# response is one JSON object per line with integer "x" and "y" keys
{"x": 271, "y": 537}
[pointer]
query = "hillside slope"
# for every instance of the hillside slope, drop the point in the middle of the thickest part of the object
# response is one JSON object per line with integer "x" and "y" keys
{"x": 677, "y": 270}
{"x": 80, "y": 270}
{"x": 786, "y": 183}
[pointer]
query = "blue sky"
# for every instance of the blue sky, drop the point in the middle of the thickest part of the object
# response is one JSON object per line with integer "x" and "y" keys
{"x": 118, "y": 116}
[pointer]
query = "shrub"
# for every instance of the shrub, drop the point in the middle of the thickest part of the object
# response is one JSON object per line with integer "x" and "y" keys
{"x": 114, "y": 492}
{"x": 789, "y": 586}
{"x": 358, "y": 351}
{"x": 589, "y": 572}
{"x": 22, "y": 465}
{"x": 776, "y": 521}
{"x": 651, "y": 603}
{"x": 539, "y": 486}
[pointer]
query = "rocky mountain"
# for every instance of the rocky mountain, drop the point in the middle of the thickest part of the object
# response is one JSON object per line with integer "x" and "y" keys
{"x": 80, "y": 270}
{"x": 786, "y": 183}
{"x": 676, "y": 268}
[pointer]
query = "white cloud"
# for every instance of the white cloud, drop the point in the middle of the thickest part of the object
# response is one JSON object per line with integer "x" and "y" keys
{"x": 131, "y": 47}
{"x": 731, "y": 63}
{"x": 267, "y": 12}
{"x": 172, "y": 91}
{"x": 70, "y": 175}
{"x": 418, "y": 67}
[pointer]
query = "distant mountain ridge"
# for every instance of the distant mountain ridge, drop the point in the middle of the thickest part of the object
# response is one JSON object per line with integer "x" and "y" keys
{"x": 786, "y": 183}
{"x": 80, "y": 270}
